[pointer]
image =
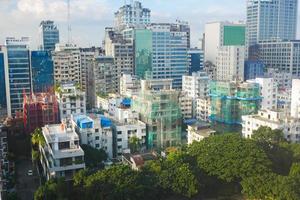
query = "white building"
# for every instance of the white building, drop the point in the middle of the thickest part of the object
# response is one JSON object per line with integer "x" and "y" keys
{"x": 283, "y": 79}
{"x": 126, "y": 124}
{"x": 274, "y": 120}
{"x": 198, "y": 132}
{"x": 186, "y": 105}
{"x": 196, "y": 85}
{"x": 203, "y": 109}
{"x": 230, "y": 63}
{"x": 295, "y": 104}
{"x": 132, "y": 15}
{"x": 129, "y": 85}
{"x": 268, "y": 92}
{"x": 71, "y": 100}
{"x": 61, "y": 156}
{"x": 95, "y": 131}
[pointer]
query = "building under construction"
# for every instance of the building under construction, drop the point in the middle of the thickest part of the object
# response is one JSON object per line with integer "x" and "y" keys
{"x": 39, "y": 110}
{"x": 158, "y": 107}
{"x": 231, "y": 100}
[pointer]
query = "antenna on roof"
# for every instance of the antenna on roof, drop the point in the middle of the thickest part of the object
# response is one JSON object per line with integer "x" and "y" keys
{"x": 69, "y": 23}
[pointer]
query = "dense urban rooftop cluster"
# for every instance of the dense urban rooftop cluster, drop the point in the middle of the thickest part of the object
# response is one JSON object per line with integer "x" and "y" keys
{"x": 146, "y": 115}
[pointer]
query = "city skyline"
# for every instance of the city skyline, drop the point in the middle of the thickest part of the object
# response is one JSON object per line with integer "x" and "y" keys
{"x": 92, "y": 16}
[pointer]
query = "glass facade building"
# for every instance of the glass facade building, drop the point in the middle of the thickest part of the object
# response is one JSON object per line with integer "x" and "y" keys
{"x": 49, "y": 35}
{"x": 196, "y": 60}
{"x": 170, "y": 60}
{"x": 2, "y": 82}
{"x": 253, "y": 69}
{"x": 42, "y": 71}
{"x": 18, "y": 79}
{"x": 267, "y": 19}
{"x": 143, "y": 52}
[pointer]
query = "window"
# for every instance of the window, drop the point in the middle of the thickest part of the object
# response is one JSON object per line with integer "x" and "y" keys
{"x": 97, "y": 138}
{"x": 63, "y": 145}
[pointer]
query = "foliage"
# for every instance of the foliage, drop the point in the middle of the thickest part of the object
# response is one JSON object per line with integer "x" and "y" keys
{"x": 93, "y": 157}
{"x": 134, "y": 144}
{"x": 230, "y": 157}
{"x": 224, "y": 165}
{"x": 37, "y": 138}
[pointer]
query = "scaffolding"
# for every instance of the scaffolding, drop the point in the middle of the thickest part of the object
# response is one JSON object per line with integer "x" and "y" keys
{"x": 231, "y": 100}
{"x": 162, "y": 114}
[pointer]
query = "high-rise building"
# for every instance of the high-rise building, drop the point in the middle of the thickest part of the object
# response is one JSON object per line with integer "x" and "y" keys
{"x": 132, "y": 15}
{"x": 42, "y": 71}
{"x": 161, "y": 112}
{"x": 129, "y": 85}
{"x": 49, "y": 35}
{"x": 269, "y": 19}
{"x": 143, "y": 52}
{"x": 67, "y": 66}
{"x": 196, "y": 85}
{"x": 121, "y": 49}
{"x": 196, "y": 60}
{"x": 17, "y": 73}
{"x": 219, "y": 34}
{"x": 225, "y": 48}
{"x": 281, "y": 55}
{"x": 2, "y": 83}
{"x": 170, "y": 46}
{"x": 103, "y": 77}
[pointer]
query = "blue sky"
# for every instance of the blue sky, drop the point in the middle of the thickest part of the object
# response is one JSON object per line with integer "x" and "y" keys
{"x": 90, "y": 17}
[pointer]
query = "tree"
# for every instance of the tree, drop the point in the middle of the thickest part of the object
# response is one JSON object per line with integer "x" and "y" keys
{"x": 52, "y": 190}
{"x": 134, "y": 144}
{"x": 93, "y": 157}
{"x": 230, "y": 157}
{"x": 265, "y": 134}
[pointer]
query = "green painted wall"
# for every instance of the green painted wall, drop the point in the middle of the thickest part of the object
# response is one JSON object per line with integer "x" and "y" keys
{"x": 234, "y": 35}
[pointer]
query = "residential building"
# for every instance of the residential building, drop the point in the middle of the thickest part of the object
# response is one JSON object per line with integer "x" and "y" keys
{"x": 281, "y": 55}
{"x": 170, "y": 46}
{"x": 40, "y": 109}
{"x": 203, "y": 109}
{"x": 71, "y": 100}
{"x": 95, "y": 131}
{"x": 271, "y": 19}
{"x": 49, "y": 35}
{"x": 61, "y": 155}
{"x": 186, "y": 104}
{"x": 196, "y": 85}
{"x": 283, "y": 79}
{"x": 295, "y": 99}
{"x": 231, "y": 100}
{"x": 17, "y": 73}
{"x": 137, "y": 161}
{"x": 122, "y": 50}
{"x": 284, "y": 101}
{"x": 126, "y": 124}
{"x": 129, "y": 85}
{"x": 103, "y": 75}
{"x": 67, "y": 65}
{"x": 253, "y": 69}
{"x": 268, "y": 92}
{"x": 132, "y": 15}
{"x": 196, "y": 60}
{"x": 274, "y": 120}
{"x": 42, "y": 71}
{"x": 199, "y": 131}
{"x": 5, "y": 164}
{"x": 160, "y": 110}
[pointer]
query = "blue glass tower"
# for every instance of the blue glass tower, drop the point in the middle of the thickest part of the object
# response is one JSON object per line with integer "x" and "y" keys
{"x": 42, "y": 71}
{"x": 18, "y": 79}
{"x": 253, "y": 69}
{"x": 2, "y": 82}
{"x": 49, "y": 34}
{"x": 196, "y": 58}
